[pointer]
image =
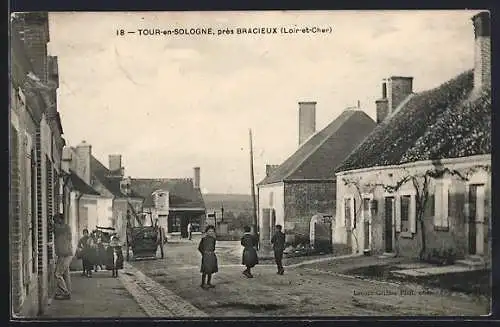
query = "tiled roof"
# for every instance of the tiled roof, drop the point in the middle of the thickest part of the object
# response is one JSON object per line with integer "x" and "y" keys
{"x": 321, "y": 153}
{"x": 103, "y": 174}
{"x": 79, "y": 185}
{"x": 439, "y": 123}
{"x": 182, "y": 193}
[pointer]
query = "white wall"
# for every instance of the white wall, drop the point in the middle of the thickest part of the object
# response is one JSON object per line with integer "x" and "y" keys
{"x": 105, "y": 212}
{"x": 369, "y": 181}
{"x": 278, "y": 202}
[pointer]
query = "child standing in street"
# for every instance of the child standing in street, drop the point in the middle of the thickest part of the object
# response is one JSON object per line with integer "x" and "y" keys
{"x": 250, "y": 258}
{"x": 278, "y": 241}
{"x": 115, "y": 255}
{"x": 209, "y": 264}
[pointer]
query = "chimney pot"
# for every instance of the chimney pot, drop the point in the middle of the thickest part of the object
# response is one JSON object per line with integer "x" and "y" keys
{"x": 270, "y": 169}
{"x": 398, "y": 89}
{"x": 382, "y": 109}
{"x": 482, "y": 51}
{"x": 307, "y": 120}
{"x": 115, "y": 164}
{"x": 196, "y": 180}
{"x": 384, "y": 90}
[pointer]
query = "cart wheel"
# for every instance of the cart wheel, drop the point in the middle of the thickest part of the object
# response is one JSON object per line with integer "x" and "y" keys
{"x": 127, "y": 248}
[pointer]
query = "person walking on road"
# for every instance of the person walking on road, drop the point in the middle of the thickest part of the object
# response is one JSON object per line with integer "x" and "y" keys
{"x": 278, "y": 241}
{"x": 249, "y": 258}
{"x": 64, "y": 253}
{"x": 209, "y": 264}
{"x": 190, "y": 230}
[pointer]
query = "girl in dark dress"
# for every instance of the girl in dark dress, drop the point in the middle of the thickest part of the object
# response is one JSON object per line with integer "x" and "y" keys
{"x": 250, "y": 258}
{"x": 83, "y": 252}
{"x": 209, "y": 264}
{"x": 100, "y": 252}
{"x": 90, "y": 254}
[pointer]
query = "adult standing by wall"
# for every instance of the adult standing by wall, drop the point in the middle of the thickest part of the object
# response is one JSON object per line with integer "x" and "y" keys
{"x": 64, "y": 254}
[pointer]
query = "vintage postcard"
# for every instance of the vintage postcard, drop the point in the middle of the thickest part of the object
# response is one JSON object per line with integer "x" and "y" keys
{"x": 250, "y": 164}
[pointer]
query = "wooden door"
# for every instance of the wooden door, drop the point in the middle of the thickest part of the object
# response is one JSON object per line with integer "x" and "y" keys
{"x": 348, "y": 221}
{"x": 323, "y": 236}
{"x": 389, "y": 218}
{"x": 366, "y": 225}
{"x": 476, "y": 219}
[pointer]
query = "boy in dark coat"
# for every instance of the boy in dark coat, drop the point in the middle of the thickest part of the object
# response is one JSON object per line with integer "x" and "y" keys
{"x": 278, "y": 241}
{"x": 209, "y": 264}
{"x": 250, "y": 258}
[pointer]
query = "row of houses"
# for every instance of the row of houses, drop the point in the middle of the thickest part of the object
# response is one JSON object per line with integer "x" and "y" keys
{"x": 36, "y": 179}
{"x": 100, "y": 196}
{"x": 49, "y": 177}
{"x": 416, "y": 180}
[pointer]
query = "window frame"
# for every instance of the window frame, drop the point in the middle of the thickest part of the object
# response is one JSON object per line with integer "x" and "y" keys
{"x": 411, "y": 212}
{"x": 369, "y": 197}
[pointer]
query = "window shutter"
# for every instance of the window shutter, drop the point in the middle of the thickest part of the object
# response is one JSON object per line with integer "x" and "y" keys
{"x": 429, "y": 206}
{"x": 438, "y": 204}
{"x": 413, "y": 215}
{"x": 445, "y": 203}
{"x": 398, "y": 214}
{"x": 355, "y": 211}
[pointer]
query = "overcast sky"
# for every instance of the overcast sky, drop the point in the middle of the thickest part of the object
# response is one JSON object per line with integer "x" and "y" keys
{"x": 170, "y": 103}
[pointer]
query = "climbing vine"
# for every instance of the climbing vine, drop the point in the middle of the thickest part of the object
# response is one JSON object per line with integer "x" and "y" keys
{"x": 421, "y": 184}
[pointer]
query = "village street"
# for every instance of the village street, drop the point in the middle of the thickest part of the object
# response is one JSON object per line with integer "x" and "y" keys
{"x": 172, "y": 287}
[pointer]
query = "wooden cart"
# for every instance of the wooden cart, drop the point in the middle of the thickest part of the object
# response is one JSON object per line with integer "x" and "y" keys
{"x": 145, "y": 239}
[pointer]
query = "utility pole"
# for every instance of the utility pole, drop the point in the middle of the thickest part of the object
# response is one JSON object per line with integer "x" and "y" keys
{"x": 252, "y": 180}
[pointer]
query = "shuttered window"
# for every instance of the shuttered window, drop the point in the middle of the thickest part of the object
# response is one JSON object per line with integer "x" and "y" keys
{"x": 442, "y": 203}
{"x": 34, "y": 225}
{"x": 14, "y": 223}
{"x": 50, "y": 208}
{"x": 39, "y": 211}
{"x": 405, "y": 213}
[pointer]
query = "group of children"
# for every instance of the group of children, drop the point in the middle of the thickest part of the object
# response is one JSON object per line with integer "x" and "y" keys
{"x": 98, "y": 250}
{"x": 250, "y": 258}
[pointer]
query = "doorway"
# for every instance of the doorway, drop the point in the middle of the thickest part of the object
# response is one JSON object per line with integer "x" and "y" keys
{"x": 366, "y": 223}
{"x": 389, "y": 218}
{"x": 476, "y": 219}
{"x": 273, "y": 222}
{"x": 348, "y": 222}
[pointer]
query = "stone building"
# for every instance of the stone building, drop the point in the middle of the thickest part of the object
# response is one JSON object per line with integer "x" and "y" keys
{"x": 304, "y": 184}
{"x": 35, "y": 163}
{"x": 420, "y": 183}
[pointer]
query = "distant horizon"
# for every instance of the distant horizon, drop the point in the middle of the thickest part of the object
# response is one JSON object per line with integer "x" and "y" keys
{"x": 168, "y": 104}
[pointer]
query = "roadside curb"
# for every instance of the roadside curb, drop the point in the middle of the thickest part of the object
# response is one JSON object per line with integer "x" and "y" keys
{"x": 157, "y": 300}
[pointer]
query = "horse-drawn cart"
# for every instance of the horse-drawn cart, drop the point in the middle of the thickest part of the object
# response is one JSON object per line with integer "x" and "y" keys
{"x": 144, "y": 239}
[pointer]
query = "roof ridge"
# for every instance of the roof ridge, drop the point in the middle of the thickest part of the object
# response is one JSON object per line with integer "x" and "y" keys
{"x": 323, "y": 141}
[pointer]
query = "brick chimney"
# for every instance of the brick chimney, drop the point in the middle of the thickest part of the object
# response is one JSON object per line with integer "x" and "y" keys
{"x": 482, "y": 51}
{"x": 83, "y": 168}
{"x": 270, "y": 169}
{"x": 382, "y": 104}
{"x": 115, "y": 165}
{"x": 196, "y": 180}
{"x": 398, "y": 89}
{"x": 307, "y": 120}
{"x": 66, "y": 159}
{"x": 33, "y": 27}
